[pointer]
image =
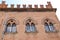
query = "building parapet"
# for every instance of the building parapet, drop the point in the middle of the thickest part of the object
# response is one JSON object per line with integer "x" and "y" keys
{"x": 24, "y": 6}
{"x": 49, "y": 7}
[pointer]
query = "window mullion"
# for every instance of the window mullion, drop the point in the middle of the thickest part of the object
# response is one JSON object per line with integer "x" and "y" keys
{"x": 11, "y": 28}
{"x": 30, "y": 28}
{"x": 49, "y": 28}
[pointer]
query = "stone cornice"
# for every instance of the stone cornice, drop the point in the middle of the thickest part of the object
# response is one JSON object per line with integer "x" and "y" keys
{"x": 28, "y": 9}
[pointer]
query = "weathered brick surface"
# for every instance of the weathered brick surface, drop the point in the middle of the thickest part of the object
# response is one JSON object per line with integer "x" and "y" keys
{"x": 21, "y": 17}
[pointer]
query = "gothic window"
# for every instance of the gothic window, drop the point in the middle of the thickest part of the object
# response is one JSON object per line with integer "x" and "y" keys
{"x": 30, "y": 27}
{"x": 49, "y": 27}
{"x": 10, "y": 26}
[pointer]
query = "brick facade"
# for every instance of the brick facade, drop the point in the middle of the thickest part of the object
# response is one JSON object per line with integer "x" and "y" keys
{"x": 21, "y": 15}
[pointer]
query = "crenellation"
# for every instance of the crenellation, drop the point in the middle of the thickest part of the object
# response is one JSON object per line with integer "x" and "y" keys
{"x": 3, "y": 5}
{"x": 18, "y": 5}
{"x": 29, "y": 6}
{"x": 35, "y": 6}
{"x": 12, "y": 5}
{"x": 48, "y": 5}
{"x": 41, "y": 6}
{"x": 24, "y": 6}
{"x": 3, "y": 2}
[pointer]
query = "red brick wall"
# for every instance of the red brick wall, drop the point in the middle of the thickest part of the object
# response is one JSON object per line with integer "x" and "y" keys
{"x": 21, "y": 17}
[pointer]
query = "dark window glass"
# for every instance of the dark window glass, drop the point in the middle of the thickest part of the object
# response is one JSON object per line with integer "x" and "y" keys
{"x": 46, "y": 27}
{"x": 33, "y": 28}
{"x": 30, "y": 28}
{"x": 13, "y": 27}
{"x": 10, "y": 28}
{"x": 51, "y": 27}
{"x": 27, "y": 27}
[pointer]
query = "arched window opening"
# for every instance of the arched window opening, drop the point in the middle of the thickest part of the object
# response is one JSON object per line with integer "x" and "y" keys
{"x": 49, "y": 27}
{"x": 10, "y": 26}
{"x": 30, "y": 27}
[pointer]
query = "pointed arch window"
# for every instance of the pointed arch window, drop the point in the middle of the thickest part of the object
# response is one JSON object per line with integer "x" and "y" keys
{"x": 10, "y": 26}
{"x": 49, "y": 27}
{"x": 30, "y": 27}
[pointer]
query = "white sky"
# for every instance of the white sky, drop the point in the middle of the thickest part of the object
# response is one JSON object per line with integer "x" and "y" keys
{"x": 55, "y": 3}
